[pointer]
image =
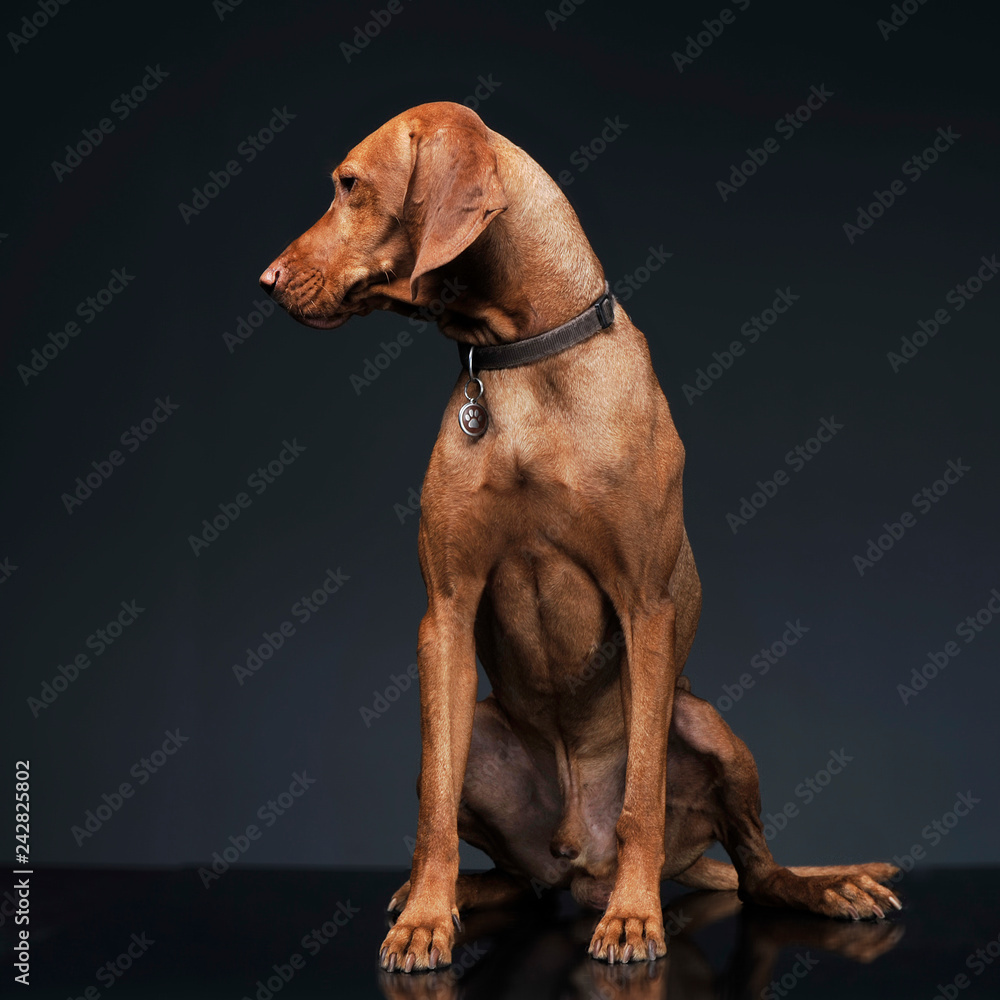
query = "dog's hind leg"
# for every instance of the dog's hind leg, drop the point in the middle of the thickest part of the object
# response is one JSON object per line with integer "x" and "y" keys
{"x": 834, "y": 891}
{"x": 475, "y": 890}
{"x": 506, "y": 810}
{"x": 707, "y": 873}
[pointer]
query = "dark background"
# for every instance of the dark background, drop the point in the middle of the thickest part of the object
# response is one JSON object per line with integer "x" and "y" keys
{"x": 337, "y": 507}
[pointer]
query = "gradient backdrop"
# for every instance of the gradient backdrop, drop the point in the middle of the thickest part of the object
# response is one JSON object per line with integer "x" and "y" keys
{"x": 207, "y": 84}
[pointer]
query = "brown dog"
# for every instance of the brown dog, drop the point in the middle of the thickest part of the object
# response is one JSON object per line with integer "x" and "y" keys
{"x": 555, "y": 535}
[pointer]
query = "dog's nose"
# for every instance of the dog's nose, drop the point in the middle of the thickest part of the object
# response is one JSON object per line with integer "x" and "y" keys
{"x": 269, "y": 279}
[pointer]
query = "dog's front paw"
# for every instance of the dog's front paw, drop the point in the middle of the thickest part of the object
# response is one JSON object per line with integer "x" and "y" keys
{"x": 629, "y": 933}
{"x": 420, "y": 939}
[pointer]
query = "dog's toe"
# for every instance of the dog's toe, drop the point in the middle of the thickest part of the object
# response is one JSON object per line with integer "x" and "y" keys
{"x": 410, "y": 947}
{"x": 622, "y": 935}
{"x": 399, "y": 898}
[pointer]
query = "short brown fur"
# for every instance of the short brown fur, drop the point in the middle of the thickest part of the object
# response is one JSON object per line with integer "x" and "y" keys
{"x": 556, "y": 535}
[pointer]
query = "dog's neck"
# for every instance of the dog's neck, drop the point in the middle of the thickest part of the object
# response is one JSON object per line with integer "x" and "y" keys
{"x": 530, "y": 270}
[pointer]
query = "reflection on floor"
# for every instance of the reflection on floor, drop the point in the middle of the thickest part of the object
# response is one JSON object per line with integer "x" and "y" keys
{"x": 304, "y": 933}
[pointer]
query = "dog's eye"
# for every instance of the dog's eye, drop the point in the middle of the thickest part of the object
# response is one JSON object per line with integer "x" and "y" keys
{"x": 346, "y": 183}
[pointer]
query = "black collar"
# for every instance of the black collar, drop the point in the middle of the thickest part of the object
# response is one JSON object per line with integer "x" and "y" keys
{"x": 596, "y": 317}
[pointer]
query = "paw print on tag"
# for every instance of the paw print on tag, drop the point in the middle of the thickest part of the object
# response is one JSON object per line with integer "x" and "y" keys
{"x": 473, "y": 419}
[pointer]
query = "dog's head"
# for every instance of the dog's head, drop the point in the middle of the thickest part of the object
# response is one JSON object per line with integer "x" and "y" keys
{"x": 407, "y": 200}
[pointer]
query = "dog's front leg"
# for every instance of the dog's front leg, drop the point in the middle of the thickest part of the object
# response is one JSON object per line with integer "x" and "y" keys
{"x": 632, "y": 926}
{"x": 422, "y": 937}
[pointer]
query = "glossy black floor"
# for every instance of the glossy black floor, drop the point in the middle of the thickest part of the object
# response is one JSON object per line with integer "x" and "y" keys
{"x": 294, "y": 933}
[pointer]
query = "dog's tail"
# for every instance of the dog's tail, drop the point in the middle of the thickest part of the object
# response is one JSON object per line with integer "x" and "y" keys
{"x": 707, "y": 873}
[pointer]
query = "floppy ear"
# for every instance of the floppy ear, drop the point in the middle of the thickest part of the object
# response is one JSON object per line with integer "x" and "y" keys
{"x": 453, "y": 195}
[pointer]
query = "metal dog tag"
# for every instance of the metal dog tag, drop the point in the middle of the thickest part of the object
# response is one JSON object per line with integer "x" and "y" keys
{"x": 473, "y": 418}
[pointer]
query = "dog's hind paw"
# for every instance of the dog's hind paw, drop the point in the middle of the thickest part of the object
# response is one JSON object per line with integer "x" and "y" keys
{"x": 399, "y": 898}
{"x": 848, "y": 891}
